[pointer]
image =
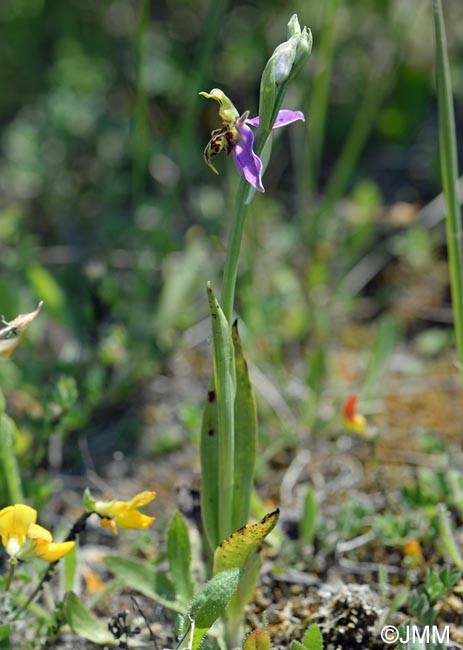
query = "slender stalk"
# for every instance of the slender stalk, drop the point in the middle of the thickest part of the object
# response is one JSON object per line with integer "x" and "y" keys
{"x": 8, "y": 459}
{"x": 320, "y": 91}
{"x": 449, "y": 171}
{"x": 140, "y": 116}
{"x": 78, "y": 527}
{"x": 368, "y": 110}
{"x": 31, "y": 598}
{"x": 233, "y": 251}
{"x": 10, "y": 574}
{"x": 243, "y": 198}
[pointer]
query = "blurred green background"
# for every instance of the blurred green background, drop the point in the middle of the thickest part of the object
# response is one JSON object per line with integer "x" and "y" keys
{"x": 109, "y": 215}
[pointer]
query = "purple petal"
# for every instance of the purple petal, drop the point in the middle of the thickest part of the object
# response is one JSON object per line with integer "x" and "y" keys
{"x": 247, "y": 162}
{"x": 254, "y": 121}
{"x": 283, "y": 118}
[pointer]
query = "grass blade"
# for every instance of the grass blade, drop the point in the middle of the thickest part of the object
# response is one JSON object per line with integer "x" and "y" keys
{"x": 449, "y": 171}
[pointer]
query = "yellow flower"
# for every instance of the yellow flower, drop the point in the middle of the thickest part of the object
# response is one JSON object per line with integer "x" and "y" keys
{"x": 41, "y": 545}
{"x": 14, "y": 524}
{"x": 23, "y": 539}
{"x": 413, "y": 553}
{"x": 124, "y": 513}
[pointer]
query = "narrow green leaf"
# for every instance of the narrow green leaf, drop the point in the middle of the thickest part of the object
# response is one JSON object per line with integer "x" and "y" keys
{"x": 380, "y": 352}
{"x": 235, "y": 550}
{"x": 179, "y": 554}
{"x": 313, "y": 639}
{"x": 398, "y": 601}
{"x": 448, "y": 537}
{"x": 209, "y": 454}
{"x": 144, "y": 578}
{"x": 245, "y": 436}
{"x": 83, "y": 623}
{"x": 309, "y": 517}
{"x": 210, "y": 602}
{"x": 225, "y": 387}
{"x": 449, "y": 172}
{"x": 45, "y": 286}
{"x": 68, "y": 569}
{"x": 8, "y": 459}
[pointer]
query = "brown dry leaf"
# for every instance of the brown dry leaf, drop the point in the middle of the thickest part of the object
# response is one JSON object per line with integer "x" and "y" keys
{"x": 14, "y": 330}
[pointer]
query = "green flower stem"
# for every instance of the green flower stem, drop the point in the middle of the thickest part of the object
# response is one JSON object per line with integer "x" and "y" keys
{"x": 32, "y": 597}
{"x": 78, "y": 527}
{"x": 8, "y": 458}
{"x": 449, "y": 171}
{"x": 233, "y": 251}
{"x": 13, "y": 564}
{"x": 243, "y": 198}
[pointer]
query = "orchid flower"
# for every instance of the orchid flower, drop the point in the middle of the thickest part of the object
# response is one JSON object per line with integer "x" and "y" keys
{"x": 122, "y": 513}
{"x": 23, "y": 539}
{"x": 235, "y": 136}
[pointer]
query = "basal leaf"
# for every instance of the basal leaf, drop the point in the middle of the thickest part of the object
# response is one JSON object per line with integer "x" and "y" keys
{"x": 245, "y": 436}
{"x": 210, "y": 602}
{"x": 235, "y": 550}
{"x": 257, "y": 640}
{"x": 83, "y": 623}
{"x": 179, "y": 554}
{"x": 209, "y": 452}
{"x": 144, "y": 578}
{"x": 225, "y": 388}
{"x": 308, "y": 522}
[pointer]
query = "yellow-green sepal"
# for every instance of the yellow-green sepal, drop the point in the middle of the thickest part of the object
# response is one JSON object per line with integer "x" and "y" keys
{"x": 227, "y": 111}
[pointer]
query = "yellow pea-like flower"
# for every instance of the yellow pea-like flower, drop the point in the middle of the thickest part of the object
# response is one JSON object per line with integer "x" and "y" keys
{"x": 124, "y": 514}
{"x": 23, "y": 539}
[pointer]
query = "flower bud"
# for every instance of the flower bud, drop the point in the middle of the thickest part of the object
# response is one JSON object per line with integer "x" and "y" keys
{"x": 89, "y": 501}
{"x": 294, "y": 28}
{"x": 304, "y": 46}
{"x": 283, "y": 59}
{"x": 292, "y": 54}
